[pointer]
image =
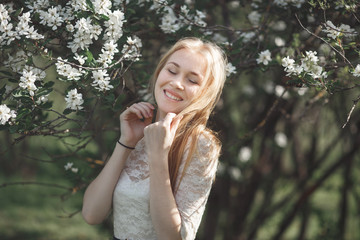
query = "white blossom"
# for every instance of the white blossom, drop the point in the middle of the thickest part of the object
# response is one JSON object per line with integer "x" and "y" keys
{"x": 234, "y": 173}
{"x": 280, "y": 91}
{"x": 230, "y": 69}
{"x": 74, "y": 100}
{"x": 102, "y": 6}
{"x": 247, "y": 36}
{"x": 84, "y": 35}
{"x": 42, "y": 99}
{"x": 107, "y": 53}
{"x": 7, "y": 35}
{"x": 264, "y": 57}
{"x": 220, "y": 39}
{"x": 67, "y": 71}
{"x": 254, "y": 18}
{"x": 70, "y": 27}
{"x": 81, "y": 59}
{"x": 199, "y": 18}
{"x": 285, "y": 3}
{"x": 309, "y": 64}
{"x": 279, "y": 42}
{"x": 169, "y": 22}
{"x": 302, "y": 91}
{"x": 335, "y": 32}
{"x": 281, "y": 139}
{"x": 68, "y": 165}
{"x": 132, "y": 51}
{"x": 356, "y": 71}
{"x": 6, "y": 114}
{"x": 52, "y": 17}
{"x": 37, "y": 5}
{"x": 78, "y": 5}
{"x": 245, "y": 154}
{"x": 278, "y": 25}
{"x": 27, "y": 81}
{"x": 287, "y": 63}
{"x": 114, "y": 25}
{"x": 101, "y": 80}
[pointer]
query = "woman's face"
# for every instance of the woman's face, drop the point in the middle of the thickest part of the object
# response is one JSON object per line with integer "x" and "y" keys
{"x": 179, "y": 81}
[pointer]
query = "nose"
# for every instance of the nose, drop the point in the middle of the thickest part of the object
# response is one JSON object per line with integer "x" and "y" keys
{"x": 177, "y": 82}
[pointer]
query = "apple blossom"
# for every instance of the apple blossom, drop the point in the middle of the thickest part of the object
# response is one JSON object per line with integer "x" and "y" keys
{"x": 264, "y": 57}
{"x": 6, "y": 114}
{"x": 74, "y": 100}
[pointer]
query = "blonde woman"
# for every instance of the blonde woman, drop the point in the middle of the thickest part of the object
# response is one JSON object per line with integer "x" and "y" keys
{"x": 159, "y": 176}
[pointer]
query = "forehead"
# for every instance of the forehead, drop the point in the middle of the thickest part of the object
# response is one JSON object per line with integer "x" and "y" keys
{"x": 189, "y": 60}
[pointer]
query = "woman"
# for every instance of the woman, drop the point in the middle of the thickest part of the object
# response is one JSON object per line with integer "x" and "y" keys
{"x": 160, "y": 174}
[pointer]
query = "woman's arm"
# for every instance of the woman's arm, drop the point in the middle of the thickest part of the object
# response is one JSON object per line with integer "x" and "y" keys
{"x": 163, "y": 209}
{"x": 98, "y": 196}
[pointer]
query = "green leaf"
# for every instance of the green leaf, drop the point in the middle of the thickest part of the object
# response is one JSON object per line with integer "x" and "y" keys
{"x": 49, "y": 84}
{"x": 23, "y": 112}
{"x": 90, "y": 56}
{"x": 7, "y": 73}
{"x": 47, "y": 105}
{"x": 20, "y": 93}
{"x": 104, "y": 17}
{"x": 17, "y": 13}
{"x": 13, "y": 80}
{"x": 67, "y": 111}
{"x": 90, "y": 4}
{"x": 2, "y": 92}
{"x": 43, "y": 92}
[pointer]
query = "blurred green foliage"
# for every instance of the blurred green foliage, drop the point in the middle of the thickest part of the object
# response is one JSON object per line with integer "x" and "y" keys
{"x": 297, "y": 183}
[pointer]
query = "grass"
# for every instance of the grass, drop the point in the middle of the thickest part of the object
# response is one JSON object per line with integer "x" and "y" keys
{"x": 37, "y": 212}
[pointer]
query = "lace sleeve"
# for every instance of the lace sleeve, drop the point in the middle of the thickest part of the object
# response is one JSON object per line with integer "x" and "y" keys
{"x": 192, "y": 193}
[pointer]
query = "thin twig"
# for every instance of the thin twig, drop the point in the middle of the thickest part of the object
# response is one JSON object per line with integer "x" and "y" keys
{"x": 264, "y": 121}
{"x": 322, "y": 39}
{"x": 351, "y": 111}
{"x": 70, "y": 215}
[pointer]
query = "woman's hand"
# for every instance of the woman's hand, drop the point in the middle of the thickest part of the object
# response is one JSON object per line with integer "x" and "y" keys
{"x": 133, "y": 121}
{"x": 160, "y": 135}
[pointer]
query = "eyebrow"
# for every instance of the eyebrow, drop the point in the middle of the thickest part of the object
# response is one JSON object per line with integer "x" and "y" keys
{"x": 193, "y": 73}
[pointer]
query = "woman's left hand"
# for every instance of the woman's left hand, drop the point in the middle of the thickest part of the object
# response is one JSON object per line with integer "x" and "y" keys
{"x": 160, "y": 135}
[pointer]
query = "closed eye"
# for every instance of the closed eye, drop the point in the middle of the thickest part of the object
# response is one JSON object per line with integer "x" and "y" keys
{"x": 171, "y": 72}
{"x": 192, "y": 81}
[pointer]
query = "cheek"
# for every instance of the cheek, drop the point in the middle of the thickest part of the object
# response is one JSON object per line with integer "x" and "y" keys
{"x": 193, "y": 92}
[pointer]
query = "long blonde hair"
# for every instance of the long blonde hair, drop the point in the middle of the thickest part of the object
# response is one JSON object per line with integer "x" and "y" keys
{"x": 196, "y": 115}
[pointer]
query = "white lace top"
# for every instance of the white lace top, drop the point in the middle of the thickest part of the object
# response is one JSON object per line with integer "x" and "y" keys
{"x": 131, "y": 206}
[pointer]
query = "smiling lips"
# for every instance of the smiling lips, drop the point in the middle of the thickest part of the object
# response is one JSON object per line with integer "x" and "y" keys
{"x": 172, "y": 95}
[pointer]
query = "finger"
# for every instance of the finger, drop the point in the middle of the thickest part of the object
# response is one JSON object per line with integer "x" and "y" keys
{"x": 169, "y": 118}
{"x": 145, "y": 109}
{"x": 149, "y": 105}
{"x": 136, "y": 110}
{"x": 175, "y": 123}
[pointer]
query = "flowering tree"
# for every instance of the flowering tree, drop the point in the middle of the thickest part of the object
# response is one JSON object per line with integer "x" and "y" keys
{"x": 67, "y": 63}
